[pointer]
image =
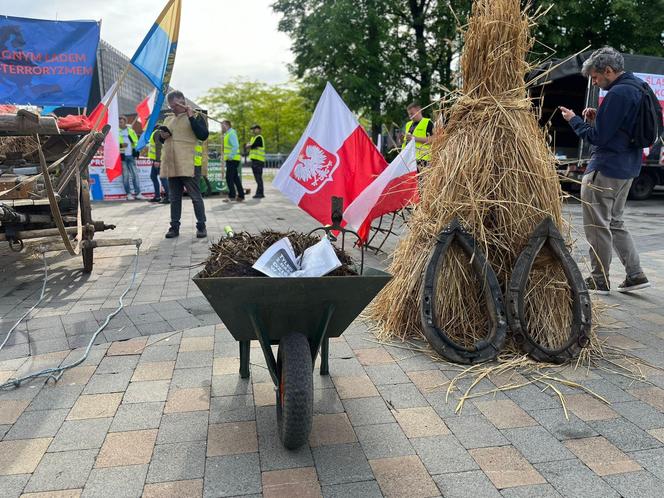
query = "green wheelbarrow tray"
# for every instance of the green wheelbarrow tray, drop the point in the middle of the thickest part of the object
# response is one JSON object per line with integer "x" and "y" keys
{"x": 300, "y": 315}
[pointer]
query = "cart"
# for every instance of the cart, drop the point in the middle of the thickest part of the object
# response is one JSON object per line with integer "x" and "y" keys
{"x": 299, "y": 315}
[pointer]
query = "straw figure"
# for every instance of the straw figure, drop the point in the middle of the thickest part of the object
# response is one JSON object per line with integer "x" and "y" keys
{"x": 492, "y": 169}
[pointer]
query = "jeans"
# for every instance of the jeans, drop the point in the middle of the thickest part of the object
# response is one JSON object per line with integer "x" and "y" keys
{"x": 154, "y": 176}
{"x": 233, "y": 179}
{"x": 257, "y": 169}
{"x": 129, "y": 169}
{"x": 176, "y": 185}
{"x": 603, "y": 204}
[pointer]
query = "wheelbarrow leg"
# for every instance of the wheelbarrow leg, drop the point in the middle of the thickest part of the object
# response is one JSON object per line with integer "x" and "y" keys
{"x": 324, "y": 357}
{"x": 245, "y": 348}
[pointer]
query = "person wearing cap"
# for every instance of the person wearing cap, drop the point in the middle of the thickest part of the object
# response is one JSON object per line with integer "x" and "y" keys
{"x": 256, "y": 148}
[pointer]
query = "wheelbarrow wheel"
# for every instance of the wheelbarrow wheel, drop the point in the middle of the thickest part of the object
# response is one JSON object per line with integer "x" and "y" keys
{"x": 295, "y": 396}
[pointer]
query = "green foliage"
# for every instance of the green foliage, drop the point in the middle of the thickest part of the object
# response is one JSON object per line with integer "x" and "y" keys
{"x": 280, "y": 110}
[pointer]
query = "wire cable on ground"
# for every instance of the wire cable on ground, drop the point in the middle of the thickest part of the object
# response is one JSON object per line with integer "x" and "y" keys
{"x": 41, "y": 298}
{"x": 55, "y": 373}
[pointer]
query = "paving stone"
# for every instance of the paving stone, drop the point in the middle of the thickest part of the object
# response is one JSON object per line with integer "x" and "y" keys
{"x": 180, "y": 427}
{"x": 445, "y": 405}
{"x": 420, "y": 422}
{"x": 141, "y": 392}
{"x": 573, "y": 479}
{"x": 137, "y": 416}
{"x": 205, "y": 343}
{"x": 80, "y": 434}
{"x": 506, "y": 467}
{"x": 132, "y": 346}
{"x": 641, "y": 414}
{"x": 465, "y": 484}
{"x": 355, "y": 387}
{"x": 608, "y": 391}
{"x": 443, "y": 454}
{"x": 274, "y": 456}
{"x": 536, "y": 491}
{"x": 264, "y": 394}
{"x": 301, "y": 482}
{"x": 178, "y": 489}
{"x": 127, "y": 448}
{"x": 186, "y": 378}
{"x": 505, "y": 413}
{"x": 158, "y": 370}
{"x": 345, "y": 367}
{"x": 367, "y": 489}
{"x": 327, "y": 401}
{"x": 562, "y": 428}
{"x": 232, "y": 475}
{"x": 177, "y": 461}
{"x": 11, "y": 409}
{"x": 50, "y": 398}
{"x": 387, "y": 374}
{"x": 636, "y": 485}
{"x": 194, "y": 359}
{"x": 160, "y": 352}
{"x": 428, "y": 381}
{"x": 656, "y": 433}
{"x": 383, "y": 441}
{"x": 373, "y": 356}
{"x": 22, "y": 456}
{"x": 226, "y": 366}
{"x": 95, "y": 406}
{"x": 403, "y": 476}
{"x": 651, "y": 460}
{"x": 62, "y": 470}
{"x": 531, "y": 397}
{"x": 114, "y": 364}
{"x": 624, "y": 434}
{"x": 537, "y": 444}
{"x": 400, "y": 396}
{"x": 37, "y": 424}
{"x": 11, "y": 486}
{"x": 3, "y": 430}
{"x": 229, "y": 385}
{"x": 474, "y": 431}
{"x": 108, "y": 383}
{"x": 78, "y": 376}
{"x": 188, "y": 400}
{"x": 368, "y": 411}
{"x": 232, "y": 409}
{"x": 341, "y": 463}
{"x": 232, "y": 438}
{"x": 331, "y": 429}
{"x": 124, "y": 482}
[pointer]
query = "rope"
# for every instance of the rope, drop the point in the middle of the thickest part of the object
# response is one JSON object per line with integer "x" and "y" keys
{"x": 41, "y": 298}
{"x": 55, "y": 373}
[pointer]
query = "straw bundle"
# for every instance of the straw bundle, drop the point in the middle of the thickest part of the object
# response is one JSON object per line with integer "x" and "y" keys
{"x": 492, "y": 169}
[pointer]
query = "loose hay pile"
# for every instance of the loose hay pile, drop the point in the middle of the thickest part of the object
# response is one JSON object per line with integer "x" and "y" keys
{"x": 490, "y": 168}
{"x": 234, "y": 256}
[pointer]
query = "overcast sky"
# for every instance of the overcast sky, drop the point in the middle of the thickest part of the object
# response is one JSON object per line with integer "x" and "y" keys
{"x": 219, "y": 39}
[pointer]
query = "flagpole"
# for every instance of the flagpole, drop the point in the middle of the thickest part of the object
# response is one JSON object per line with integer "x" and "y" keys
{"x": 104, "y": 110}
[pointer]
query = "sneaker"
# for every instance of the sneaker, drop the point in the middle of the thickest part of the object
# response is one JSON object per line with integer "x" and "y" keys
{"x": 172, "y": 233}
{"x": 141, "y": 197}
{"x": 636, "y": 282}
{"x": 258, "y": 196}
{"x": 155, "y": 199}
{"x": 597, "y": 287}
{"x": 201, "y": 233}
{"x": 230, "y": 199}
{"x": 130, "y": 197}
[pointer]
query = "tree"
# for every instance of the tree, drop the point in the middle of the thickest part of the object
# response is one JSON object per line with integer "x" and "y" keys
{"x": 280, "y": 110}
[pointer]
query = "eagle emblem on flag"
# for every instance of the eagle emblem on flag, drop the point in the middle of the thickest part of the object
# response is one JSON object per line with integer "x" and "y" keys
{"x": 314, "y": 166}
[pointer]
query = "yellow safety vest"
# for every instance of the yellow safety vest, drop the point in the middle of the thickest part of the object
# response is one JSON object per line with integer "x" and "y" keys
{"x": 198, "y": 154}
{"x": 133, "y": 139}
{"x": 228, "y": 148}
{"x": 152, "y": 148}
{"x": 257, "y": 154}
{"x": 422, "y": 151}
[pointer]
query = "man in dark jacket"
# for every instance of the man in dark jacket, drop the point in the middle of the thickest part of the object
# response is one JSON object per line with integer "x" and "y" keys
{"x": 614, "y": 163}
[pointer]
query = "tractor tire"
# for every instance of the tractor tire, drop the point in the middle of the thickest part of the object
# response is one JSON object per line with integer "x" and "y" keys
{"x": 642, "y": 187}
{"x": 295, "y": 396}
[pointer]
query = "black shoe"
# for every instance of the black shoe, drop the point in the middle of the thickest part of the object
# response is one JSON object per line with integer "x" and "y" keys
{"x": 155, "y": 199}
{"x": 258, "y": 196}
{"x": 172, "y": 233}
{"x": 230, "y": 199}
{"x": 201, "y": 232}
{"x": 637, "y": 282}
{"x": 597, "y": 286}
{"x": 165, "y": 200}
{"x": 240, "y": 199}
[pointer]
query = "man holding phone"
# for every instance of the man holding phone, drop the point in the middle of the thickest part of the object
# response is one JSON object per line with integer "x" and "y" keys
{"x": 183, "y": 134}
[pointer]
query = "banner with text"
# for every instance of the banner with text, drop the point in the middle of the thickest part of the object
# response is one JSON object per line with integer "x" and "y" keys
{"x": 101, "y": 189}
{"x": 47, "y": 62}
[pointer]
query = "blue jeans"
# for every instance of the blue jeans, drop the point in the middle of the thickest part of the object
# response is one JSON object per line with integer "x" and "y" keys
{"x": 129, "y": 169}
{"x": 154, "y": 176}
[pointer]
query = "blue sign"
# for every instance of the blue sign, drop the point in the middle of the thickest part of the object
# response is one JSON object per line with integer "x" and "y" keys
{"x": 47, "y": 62}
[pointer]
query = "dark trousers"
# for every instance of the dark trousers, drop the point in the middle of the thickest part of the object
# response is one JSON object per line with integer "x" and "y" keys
{"x": 176, "y": 186}
{"x": 154, "y": 176}
{"x": 233, "y": 179}
{"x": 257, "y": 168}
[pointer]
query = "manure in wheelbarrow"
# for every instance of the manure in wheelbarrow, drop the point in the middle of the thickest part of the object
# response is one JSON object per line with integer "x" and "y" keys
{"x": 234, "y": 256}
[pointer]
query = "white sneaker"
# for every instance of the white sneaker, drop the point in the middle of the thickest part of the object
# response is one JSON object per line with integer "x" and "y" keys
{"x": 141, "y": 197}
{"x": 130, "y": 197}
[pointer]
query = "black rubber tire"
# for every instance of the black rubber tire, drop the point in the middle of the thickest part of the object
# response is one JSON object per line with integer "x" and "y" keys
{"x": 295, "y": 396}
{"x": 88, "y": 259}
{"x": 642, "y": 187}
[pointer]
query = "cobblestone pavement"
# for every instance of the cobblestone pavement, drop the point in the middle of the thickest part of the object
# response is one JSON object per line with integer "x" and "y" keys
{"x": 158, "y": 408}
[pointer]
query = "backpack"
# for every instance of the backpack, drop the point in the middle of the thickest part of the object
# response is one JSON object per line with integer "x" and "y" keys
{"x": 648, "y": 125}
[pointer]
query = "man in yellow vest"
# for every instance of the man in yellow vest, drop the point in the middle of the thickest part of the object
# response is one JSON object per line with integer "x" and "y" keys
{"x": 128, "y": 140}
{"x": 420, "y": 129}
{"x": 182, "y": 135}
{"x": 256, "y": 148}
{"x": 232, "y": 157}
{"x": 154, "y": 155}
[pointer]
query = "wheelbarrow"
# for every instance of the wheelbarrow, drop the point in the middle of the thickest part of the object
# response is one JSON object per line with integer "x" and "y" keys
{"x": 299, "y": 315}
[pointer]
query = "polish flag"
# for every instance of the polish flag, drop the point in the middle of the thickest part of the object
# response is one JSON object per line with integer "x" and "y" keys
{"x": 102, "y": 115}
{"x": 395, "y": 188}
{"x": 334, "y": 158}
{"x": 144, "y": 108}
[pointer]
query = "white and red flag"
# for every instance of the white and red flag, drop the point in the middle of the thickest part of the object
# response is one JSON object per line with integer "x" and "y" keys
{"x": 107, "y": 113}
{"x": 395, "y": 188}
{"x": 334, "y": 157}
{"x": 145, "y": 107}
